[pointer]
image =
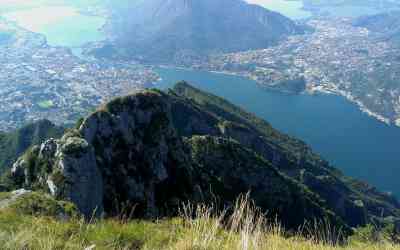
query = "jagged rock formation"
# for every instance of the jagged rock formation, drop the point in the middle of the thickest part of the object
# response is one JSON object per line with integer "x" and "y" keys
{"x": 132, "y": 143}
{"x": 153, "y": 150}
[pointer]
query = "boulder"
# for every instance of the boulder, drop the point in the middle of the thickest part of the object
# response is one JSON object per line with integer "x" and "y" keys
{"x": 75, "y": 176}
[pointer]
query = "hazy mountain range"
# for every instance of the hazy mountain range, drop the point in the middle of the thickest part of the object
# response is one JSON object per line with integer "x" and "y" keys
{"x": 386, "y": 24}
{"x": 159, "y": 30}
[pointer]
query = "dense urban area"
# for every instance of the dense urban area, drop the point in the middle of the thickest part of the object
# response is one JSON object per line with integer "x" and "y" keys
{"x": 61, "y": 86}
{"x": 333, "y": 56}
{"x": 337, "y": 57}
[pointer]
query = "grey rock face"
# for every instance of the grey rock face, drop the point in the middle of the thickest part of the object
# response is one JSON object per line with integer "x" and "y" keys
{"x": 138, "y": 153}
{"x": 48, "y": 149}
{"x": 67, "y": 167}
{"x": 126, "y": 155}
{"x": 18, "y": 170}
{"x": 76, "y": 177}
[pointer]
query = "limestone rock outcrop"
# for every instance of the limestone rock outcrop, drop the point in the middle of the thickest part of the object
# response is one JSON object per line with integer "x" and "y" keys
{"x": 147, "y": 153}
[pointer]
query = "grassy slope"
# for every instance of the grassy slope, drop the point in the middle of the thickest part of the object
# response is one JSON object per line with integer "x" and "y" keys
{"x": 41, "y": 233}
{"x": 197, "y": 228}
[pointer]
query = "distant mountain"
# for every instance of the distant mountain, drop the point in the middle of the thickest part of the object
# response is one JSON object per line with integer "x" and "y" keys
{"x": 15, "y": 143}
{"x": 386, "y": 24}
{"x": 159, "y": 30}
{"x": 152, "y": 151}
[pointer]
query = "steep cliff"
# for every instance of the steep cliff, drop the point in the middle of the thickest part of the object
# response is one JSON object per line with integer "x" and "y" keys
{"x": 356, "y": 202}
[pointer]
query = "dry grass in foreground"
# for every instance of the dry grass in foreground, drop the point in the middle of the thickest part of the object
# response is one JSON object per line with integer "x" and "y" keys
{"x": 197, "y": 229}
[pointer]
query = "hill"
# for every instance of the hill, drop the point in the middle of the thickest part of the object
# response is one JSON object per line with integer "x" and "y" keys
{"x": 153, "y": 151}
{"x": 387, "y": 25}
{"x": 156, "y": 30}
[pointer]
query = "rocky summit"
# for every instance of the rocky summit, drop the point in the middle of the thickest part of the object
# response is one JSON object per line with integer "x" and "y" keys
{"x": 152, "y": 151}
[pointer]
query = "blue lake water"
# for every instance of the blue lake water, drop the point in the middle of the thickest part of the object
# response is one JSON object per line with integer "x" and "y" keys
{"x": 359, "y": 145}
{"x": 354, "y": 142}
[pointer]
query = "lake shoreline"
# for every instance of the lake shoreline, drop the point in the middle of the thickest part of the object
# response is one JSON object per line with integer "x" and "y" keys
{"x": 334, "y": 127}
{"x": 349, "y": 97}
{"x": 310, "y": 91}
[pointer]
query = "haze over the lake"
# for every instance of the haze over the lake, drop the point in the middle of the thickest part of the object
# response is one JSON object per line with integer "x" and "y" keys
{"x": 292, "y": 9}
{"x": 62, "y": 23}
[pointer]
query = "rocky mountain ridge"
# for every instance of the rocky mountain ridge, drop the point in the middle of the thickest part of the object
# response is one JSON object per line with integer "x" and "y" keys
{"x": 152, "y": 151}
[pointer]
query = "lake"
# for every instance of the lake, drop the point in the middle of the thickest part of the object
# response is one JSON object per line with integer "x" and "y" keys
{"x": 63, "y": 25}
{"x": 354, "y": 142}
{"x": 357, "y": 144}
{"x": 292, "y": 9}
